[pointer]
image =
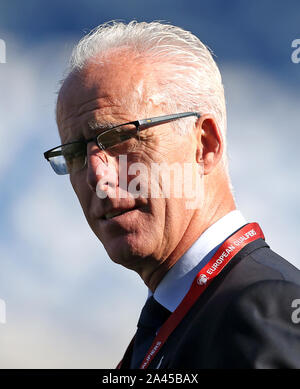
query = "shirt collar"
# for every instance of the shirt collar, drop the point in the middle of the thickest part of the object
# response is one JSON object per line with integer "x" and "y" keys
{"x": 176, "y": 283}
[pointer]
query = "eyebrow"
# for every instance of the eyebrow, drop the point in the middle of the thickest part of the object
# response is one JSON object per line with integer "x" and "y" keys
{"x": 101, "y": 125}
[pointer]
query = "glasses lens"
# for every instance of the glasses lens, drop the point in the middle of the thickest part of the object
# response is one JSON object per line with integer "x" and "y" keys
{"x": 112, "y": 138}
{"x": 68, "y": 158}
{"x": 58, "y": 164}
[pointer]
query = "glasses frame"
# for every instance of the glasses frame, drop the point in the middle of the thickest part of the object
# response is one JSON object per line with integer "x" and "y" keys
{"x": 140, "y": 125}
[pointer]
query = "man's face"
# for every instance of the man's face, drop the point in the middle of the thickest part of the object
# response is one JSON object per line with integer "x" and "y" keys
{"x": 148, "y": 229}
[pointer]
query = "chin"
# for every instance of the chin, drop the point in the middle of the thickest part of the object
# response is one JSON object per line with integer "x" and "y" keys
{"x": 129, "y": 250}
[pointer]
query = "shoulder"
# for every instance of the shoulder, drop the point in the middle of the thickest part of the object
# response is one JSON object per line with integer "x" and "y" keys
{"x": 258, "y": 329}
{"x": 257, "y": 262}
{"x": 249, "y": 317}
{"x": 261, "y": 326}
{"x": 270, "y": 261}
{"x": 266, "y": 299}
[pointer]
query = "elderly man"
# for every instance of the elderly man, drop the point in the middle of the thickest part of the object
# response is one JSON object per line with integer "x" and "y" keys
{"x": 141, "y": 100}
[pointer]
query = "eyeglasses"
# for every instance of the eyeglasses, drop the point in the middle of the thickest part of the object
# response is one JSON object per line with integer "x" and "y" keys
{"x": 71, "y": 157}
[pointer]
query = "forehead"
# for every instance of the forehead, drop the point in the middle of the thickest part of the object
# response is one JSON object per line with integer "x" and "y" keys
{"x": 117, "y": 82}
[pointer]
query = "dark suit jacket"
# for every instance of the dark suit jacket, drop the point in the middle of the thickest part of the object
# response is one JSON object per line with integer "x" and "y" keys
{"x": 242, "y": 320}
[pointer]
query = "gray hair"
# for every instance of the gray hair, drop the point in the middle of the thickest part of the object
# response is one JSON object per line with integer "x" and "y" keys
{"x": 191, "y": 81}
{"x": 188, "y": 78}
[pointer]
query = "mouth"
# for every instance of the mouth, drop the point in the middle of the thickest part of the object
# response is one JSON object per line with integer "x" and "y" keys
{"x": 112, "y": 214}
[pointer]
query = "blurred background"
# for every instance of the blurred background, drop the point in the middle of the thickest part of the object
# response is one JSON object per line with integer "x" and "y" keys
{"x": 67, "y": 304}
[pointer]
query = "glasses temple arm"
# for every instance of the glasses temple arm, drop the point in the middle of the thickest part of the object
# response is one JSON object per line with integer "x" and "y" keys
{"x": 166, "y": 118}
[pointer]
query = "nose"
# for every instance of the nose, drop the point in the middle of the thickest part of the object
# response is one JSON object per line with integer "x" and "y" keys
{"x": 101, "y": 174}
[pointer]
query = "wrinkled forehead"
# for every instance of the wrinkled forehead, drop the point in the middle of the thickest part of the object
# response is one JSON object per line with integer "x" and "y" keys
{"x": 118, "y": 81}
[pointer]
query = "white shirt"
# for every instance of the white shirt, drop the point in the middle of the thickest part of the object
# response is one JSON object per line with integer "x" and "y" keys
{"x": 178, "y": 280}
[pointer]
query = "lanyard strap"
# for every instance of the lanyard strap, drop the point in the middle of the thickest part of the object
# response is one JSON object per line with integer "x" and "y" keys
{"x": 249, "y": 233}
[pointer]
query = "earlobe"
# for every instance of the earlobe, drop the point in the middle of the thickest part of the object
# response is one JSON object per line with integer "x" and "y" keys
{"x": 210, "y": 143}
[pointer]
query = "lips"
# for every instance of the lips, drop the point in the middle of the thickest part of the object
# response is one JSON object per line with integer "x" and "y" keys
{"x": 112, "y": 214}
{"x": 117, "y": 212}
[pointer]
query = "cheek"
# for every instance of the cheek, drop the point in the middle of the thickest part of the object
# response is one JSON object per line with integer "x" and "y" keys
{"x": 75, "y": 184}
{"x": 81, "y": 190}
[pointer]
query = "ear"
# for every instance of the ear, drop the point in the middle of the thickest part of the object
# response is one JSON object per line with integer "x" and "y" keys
{"x": 210, "y": 143}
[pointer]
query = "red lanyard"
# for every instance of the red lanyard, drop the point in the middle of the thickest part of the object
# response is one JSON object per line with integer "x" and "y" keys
{"x": 222, "y": 257}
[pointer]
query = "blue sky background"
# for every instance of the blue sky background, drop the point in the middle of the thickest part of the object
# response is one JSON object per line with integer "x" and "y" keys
{"x": 67, "y": 304}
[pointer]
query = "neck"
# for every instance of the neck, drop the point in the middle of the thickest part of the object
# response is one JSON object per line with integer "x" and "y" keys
{"x": 201, "y": 221}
